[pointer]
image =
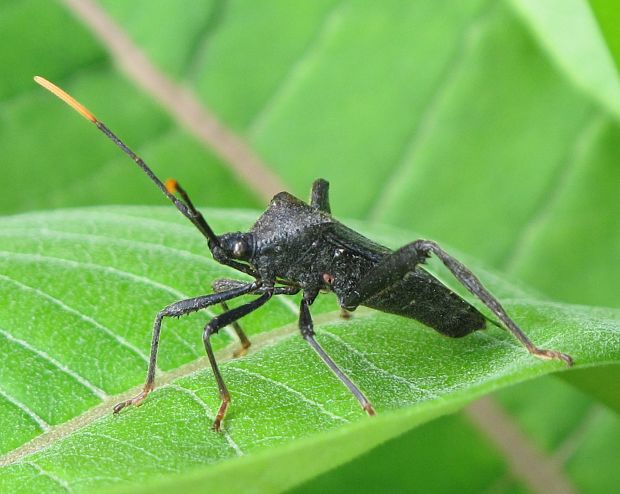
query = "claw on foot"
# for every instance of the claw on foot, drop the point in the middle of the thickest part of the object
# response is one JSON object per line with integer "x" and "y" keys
{"x": 345, "y": 314}
{"x": 243, "y": 341}
{"x": 243, "y": 349}
{"x": 217, "y": 423}
{"x": 552, "y": 355}
{"x": 240, "y": 352}
{"x": 136, "y": 400}
{"x": 370, "y": 410}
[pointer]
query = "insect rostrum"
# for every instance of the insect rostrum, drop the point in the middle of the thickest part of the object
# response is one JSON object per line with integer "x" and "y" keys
{"x": 296, "y": 246}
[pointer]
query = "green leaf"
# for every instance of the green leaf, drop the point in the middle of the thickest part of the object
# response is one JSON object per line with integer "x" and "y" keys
{"x": 583, "y": 438}
{"x": 73, "y": 163}
{"x": 490, "y": 103}
{"x": 417, "y": 462}
{"x": 505, "y": 107}
{"x": 608, "y": 14}
{"x": 420, "y": 459}
{"x": 596, "y": 381}
{"x": 83, "y": 284}
{"x": 494, "y": 123}
{"x": 568, "y": 31}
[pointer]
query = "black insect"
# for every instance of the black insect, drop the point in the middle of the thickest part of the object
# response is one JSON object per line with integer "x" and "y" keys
{"x": 296, "y": 247}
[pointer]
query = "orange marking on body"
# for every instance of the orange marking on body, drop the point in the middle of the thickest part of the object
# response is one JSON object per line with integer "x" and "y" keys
{"x": 171, "y": 185}
{"x": 56, "y": 91}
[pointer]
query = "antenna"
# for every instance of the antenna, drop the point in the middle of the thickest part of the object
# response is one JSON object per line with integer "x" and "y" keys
{"x": 187, "y": 209}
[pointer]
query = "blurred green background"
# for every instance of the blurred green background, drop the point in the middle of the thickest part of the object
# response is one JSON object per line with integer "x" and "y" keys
{"x": 490, "y": 126}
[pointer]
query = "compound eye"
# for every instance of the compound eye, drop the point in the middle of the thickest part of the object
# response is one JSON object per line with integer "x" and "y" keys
{"x": 240, "y": 249}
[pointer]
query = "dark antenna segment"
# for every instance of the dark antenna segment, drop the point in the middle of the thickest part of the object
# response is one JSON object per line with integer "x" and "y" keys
{"x": 187, "y": 209}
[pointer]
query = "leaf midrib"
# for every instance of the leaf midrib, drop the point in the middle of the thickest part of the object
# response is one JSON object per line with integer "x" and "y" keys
{"x": 163, "y": 379}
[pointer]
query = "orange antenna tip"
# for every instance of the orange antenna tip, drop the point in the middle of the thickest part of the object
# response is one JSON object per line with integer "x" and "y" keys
{"x": 55, "y": 90}
{"x": 171, "y": 185}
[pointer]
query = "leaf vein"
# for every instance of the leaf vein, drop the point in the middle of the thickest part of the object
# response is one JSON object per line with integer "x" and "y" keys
{"x": 61, "y": 482}
{"x": 60, "y": 366}
{"x": 119, "y": 339}
{"x": 148, "y": 246}
{"x": 372, "y": 365}
{"x": 43, "y": 425}
{"x": 192, "y": 394}
{"x": 129, "y": 445}
{"x": 108, "y": 269}
{"x": 292, "y": 391}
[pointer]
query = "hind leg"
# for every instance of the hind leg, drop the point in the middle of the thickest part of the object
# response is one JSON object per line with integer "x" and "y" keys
{"x": 404, "y": 260}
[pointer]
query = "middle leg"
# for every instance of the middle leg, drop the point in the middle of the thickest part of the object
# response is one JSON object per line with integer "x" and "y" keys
{"x": 307, "y": 332}
{"x": 224, "y": 285}
{"x": 212, "y": 328}
{"x": 225, "y": 319}
{"x": 178, "y": 309}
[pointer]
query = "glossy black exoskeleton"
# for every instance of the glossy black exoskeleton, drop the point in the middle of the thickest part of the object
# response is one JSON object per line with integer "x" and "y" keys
{"x": 295, "y": 246}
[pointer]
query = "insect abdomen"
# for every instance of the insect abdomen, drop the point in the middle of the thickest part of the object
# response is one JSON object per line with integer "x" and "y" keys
{"x": 421, "y": 297}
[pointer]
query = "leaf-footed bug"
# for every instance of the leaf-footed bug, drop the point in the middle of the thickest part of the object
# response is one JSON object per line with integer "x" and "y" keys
{"x": 295, "y": 247}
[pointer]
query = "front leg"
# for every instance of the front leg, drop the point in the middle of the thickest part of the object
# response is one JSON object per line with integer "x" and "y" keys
{"x": 397, "y": 265}
{"x": 178, "y": 309}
